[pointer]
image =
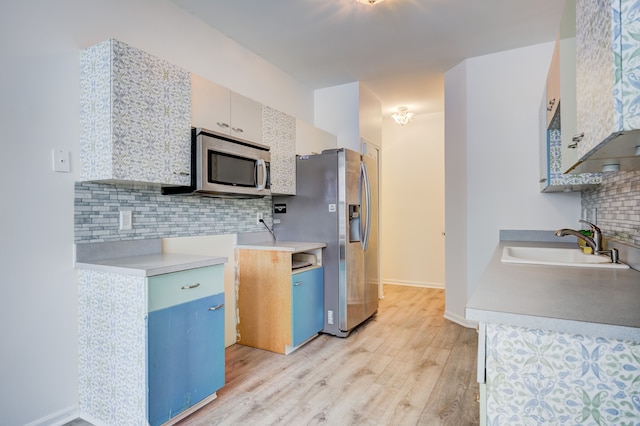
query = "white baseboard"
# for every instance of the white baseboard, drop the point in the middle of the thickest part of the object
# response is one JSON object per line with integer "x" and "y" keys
{"x": 460, "y": 320}
{"x": 58, "y": 418}
{"x": 413, "y": 283}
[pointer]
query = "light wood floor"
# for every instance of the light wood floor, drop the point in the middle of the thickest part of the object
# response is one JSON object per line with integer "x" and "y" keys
{"x": 406, "y": 366}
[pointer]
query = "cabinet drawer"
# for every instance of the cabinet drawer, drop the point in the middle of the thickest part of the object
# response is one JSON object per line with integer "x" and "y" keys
{"x": 180, "y": 287}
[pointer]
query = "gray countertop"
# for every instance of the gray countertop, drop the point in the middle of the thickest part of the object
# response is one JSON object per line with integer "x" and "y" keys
{"x": 599, "y": 302}
{"x": 151, "y": 264}
{"x": 292, "y": 246}
{"x": 138, "y": 257}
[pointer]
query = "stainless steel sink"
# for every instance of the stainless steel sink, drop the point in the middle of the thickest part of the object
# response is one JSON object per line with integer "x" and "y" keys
{"x": 557, "y": 256}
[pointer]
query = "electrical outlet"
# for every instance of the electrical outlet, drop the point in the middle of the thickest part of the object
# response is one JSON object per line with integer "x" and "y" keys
{"x": 258, "y": 218}
{"x": 126, "y": 220}
{"x": 61, "y": 162}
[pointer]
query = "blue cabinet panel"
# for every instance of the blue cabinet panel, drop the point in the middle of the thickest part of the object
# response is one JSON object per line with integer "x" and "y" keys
{"x": 307, "y": 304}
{"x": 186, "y": 356}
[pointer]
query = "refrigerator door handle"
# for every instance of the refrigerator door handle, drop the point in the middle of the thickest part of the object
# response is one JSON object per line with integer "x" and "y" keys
{"x": 364, "y": 242}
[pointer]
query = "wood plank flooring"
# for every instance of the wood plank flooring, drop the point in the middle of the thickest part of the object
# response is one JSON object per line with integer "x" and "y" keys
{"x": 405, "y": 366}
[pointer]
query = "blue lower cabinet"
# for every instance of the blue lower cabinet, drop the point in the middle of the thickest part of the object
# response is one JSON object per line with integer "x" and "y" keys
{"x": 307, "y": 304}
{"x": 186, "y": 356}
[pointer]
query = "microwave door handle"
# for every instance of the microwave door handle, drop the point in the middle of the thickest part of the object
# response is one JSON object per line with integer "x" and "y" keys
{"x": 261, "y": 164}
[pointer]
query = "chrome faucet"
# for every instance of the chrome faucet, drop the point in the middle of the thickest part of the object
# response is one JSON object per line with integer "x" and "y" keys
{"x": 594, "y": 242}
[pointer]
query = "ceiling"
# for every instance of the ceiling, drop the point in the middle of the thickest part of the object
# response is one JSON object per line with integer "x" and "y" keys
{"x": 399, "y": 49}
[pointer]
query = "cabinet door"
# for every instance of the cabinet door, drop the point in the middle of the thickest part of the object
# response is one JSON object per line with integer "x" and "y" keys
{"x": 553, "y": 83}
{"x": 326, "y": 140}
{"x": 567, "y": 44}
{"x": 135, "y": 122}
{"x": 210, "y": 105}
{"x": 543, "y": 145}
{"x": 186, "y": 356}
{"x": 595, "y": 73}
{"x": 307, "y": 304}
{"x": 306, "y": 138}
{"x": 246, "y": 118}
{"x": 279, "y": 133}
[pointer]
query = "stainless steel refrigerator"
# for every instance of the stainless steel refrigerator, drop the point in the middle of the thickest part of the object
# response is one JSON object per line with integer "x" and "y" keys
{"x": 337, "y": 203}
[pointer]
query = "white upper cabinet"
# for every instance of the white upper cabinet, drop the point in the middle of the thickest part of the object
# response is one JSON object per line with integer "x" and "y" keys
{"x": 553, "y": 85}
{"x": 135, "y": 117}
{"x": 607, "y": 76}
{"x": 311, "y": 140}
{"x": 210, "y": 105}
{"x": 306, "y": 138}
{"x": 326, "y": 140}
{"x": 246, "y": 118}
{"x": 216, "y": 108}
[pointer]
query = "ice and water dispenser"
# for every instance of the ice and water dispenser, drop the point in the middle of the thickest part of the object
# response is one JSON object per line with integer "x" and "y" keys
{"x": 354, "y": 223}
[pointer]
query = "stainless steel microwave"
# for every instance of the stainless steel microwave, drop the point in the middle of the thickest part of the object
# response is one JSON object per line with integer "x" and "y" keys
{"x": 224, "y": 167}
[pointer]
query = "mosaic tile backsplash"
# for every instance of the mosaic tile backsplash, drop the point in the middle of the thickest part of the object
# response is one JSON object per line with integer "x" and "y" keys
{"x": 97, "y": 213}
{"x": 617, "y": 206}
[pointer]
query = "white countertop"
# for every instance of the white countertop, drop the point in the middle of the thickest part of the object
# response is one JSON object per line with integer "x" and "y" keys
{"x": 599, "y": 302}
{"x": 151, "y": 264}
{"x": 292, "y": 246}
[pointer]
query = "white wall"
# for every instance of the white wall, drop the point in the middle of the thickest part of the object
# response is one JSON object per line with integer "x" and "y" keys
{"x": 455, "y": 154}
{"x": 497, "y": 104}
{"x": 336, "y": 111}
{"x": 412, "y": 214}
{"x": 370, "y": 116}
{"x": 39, "y": 110}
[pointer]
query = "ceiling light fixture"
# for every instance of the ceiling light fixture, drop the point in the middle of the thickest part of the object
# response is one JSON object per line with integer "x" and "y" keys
{"x": 402, "y": 117}
{"x": 370, "y": 2}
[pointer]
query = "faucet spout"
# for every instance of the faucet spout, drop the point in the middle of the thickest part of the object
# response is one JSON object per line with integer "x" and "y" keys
{"x": 588, "y": 240}
{"x": 595, "y": 243}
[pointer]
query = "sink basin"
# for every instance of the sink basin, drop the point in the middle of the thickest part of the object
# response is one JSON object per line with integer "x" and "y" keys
{"x": 558, "y": 257}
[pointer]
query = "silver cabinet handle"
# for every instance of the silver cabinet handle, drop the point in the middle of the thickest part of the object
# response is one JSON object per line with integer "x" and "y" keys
{"x": 215, "y": 308}
{"x": 297, "y": 283}
{"x": 237, "y": 129}
{"x": 576, "y": 139}
{"x": 542, "y": 180}
{"x": 188, "y": 287}
{"x": 221, "y": 124}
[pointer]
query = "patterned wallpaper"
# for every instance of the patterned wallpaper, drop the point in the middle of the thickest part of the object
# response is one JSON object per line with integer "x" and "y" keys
{"x": 135, "y": 116}
{"x": 544, "y": 377}
{"x": 605, "y": 26}
{"x": 97, "y": 206}
{"x": 112, "y": 312}
{"x": 279, "y": 133}
{"x": 617, "y": 204}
